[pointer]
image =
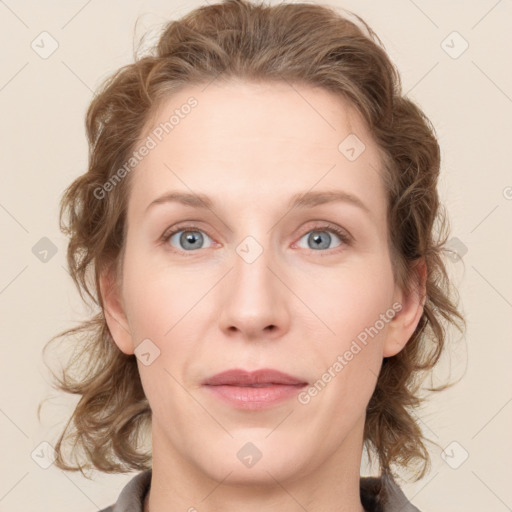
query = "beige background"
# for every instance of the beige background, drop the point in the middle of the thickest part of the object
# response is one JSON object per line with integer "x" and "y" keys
{"x": 469, "y": 100}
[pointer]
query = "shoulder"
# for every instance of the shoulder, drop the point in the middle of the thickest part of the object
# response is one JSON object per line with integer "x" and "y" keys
{"x": 132, "y": 495}
{"x": 382, "y": 494}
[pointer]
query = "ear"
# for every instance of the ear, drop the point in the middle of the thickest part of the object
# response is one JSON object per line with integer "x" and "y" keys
{"x": 403, "y": 324}
{"x": 114, "y": 312}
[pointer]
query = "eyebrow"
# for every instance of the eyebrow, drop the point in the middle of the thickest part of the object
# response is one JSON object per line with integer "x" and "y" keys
{"x": 301, "y": 200}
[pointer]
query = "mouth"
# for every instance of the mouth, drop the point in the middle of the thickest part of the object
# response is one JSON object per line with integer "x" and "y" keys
{"x": 253, "y": 390}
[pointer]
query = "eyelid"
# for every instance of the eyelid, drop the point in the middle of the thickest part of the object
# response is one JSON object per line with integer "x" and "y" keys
{"x": 185, "y": 226}
{"x": 345, "y": 237}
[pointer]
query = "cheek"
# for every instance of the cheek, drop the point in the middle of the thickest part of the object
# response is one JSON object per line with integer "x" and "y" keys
{"x": 351, "y": 299}
{"x": 340, "y": 301}
{"x": 348, "y": 357}
{"x": 157, "y": 297}
{"x": 347, "y": 362}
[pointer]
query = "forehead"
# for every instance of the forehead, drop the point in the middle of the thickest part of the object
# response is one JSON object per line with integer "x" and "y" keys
{"x": 256, "y": 142}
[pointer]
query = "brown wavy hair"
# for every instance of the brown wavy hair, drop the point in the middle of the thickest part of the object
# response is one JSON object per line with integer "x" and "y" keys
{"x": 298, "y": 43}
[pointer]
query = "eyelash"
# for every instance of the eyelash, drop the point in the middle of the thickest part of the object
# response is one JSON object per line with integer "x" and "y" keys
{"x": 345, "y": 238}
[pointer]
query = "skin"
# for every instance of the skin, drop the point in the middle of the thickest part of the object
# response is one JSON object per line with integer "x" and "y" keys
{"x": 250, "y": 147}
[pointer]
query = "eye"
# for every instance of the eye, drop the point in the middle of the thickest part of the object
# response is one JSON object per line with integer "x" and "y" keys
{"x": 320, "y": 237}
{"x": 190, "y": 238}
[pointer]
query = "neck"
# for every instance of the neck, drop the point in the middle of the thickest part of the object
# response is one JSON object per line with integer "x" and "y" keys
{"x": 330, "y": 485}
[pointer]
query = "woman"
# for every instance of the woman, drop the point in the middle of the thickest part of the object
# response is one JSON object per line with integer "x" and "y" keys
{"x": 294, "y": 334}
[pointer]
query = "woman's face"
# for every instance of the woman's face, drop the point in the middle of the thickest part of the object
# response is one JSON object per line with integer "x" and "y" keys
{"x": 250, "y": 282}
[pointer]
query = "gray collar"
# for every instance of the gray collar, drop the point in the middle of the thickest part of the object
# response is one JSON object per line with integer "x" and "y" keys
{"x": 378, "y": 494}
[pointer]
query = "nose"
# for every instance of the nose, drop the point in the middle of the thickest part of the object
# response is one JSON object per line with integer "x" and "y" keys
{"x": 254, "y": 299}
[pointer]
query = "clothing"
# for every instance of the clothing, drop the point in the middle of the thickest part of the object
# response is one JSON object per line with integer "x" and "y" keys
{"x": 378, "y": 494}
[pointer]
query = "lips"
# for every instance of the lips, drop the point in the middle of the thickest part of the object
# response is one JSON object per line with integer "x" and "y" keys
{"x": 258, "y": 378}
{"x": 253, "y": 391}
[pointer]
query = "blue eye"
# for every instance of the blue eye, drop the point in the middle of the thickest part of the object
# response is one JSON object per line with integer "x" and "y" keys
{"x": 191, "y": 238}
{"x": 319, "y": 238}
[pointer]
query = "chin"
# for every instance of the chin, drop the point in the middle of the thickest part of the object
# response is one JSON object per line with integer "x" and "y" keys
{"x": 251, "y": 459}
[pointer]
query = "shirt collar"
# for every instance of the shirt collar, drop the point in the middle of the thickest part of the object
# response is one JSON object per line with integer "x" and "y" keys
{"x": 378, "y": 494}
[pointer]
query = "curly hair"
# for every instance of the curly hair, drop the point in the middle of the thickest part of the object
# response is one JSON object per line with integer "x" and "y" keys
{"x": 299, "y": 43}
